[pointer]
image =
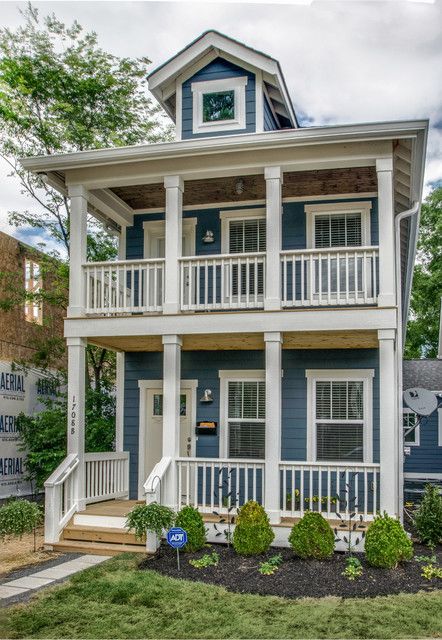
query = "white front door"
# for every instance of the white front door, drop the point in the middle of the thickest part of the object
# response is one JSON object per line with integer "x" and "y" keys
{"x": 154, "y": 427}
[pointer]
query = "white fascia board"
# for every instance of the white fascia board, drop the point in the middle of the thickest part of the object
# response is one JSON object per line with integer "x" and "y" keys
{"x": 240, "y": 142}
{"x": 248, "y": 322}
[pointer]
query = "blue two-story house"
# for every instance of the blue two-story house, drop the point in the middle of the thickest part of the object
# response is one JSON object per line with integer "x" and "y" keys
{"x": 257, "y": 305}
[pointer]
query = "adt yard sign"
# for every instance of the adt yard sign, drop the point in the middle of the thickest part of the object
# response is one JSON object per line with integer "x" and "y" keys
{"x": 176, "y": 537}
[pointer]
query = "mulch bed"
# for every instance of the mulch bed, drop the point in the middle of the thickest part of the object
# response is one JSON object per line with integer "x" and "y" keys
{"x": 296, "y": 578}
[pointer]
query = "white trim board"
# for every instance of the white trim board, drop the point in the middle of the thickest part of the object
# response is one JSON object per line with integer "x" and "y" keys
{"x": 199, "y": 89}
{"x": 143, "y": 386}
{"x": 364, "y": 375}
{"x": 416, "y": 443}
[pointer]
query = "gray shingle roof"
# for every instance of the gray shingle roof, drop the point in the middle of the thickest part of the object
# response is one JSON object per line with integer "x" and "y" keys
{"x": 423, "y": 373}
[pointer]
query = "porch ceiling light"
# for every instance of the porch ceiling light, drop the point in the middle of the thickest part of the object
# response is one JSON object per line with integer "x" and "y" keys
{"x": 207, "y": 396}
{"x": 239, "y": 187}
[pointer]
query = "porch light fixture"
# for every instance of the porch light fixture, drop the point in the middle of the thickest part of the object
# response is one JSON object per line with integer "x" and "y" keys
{"x": 239, "y": 187}
{"x": 208, "y": 237}
{"x": 207, "y": 396}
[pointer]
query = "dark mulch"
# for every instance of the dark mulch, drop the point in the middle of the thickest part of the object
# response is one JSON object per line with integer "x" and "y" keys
{"x": 296, "y": 578}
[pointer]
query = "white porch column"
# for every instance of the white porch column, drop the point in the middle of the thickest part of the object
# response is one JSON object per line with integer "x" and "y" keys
{"x": 389, "y": 424}
{"x": 77, "y": 249}
{"x": 384, "y": 169}
{"x": 273, "y": 342}
{"x": 171, "y": 412}
{"x": 174, "y": 186}
{"x": 273, "y": 178}
{"x": 119, "y": 381}
{"x": 76, "y": 410}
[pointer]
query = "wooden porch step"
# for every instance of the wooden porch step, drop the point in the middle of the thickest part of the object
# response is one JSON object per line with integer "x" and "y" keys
{"x": 98, "y": 534}
{"x": 98, "y": 548}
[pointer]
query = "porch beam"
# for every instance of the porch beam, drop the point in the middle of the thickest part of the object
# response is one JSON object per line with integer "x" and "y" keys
{"x": 273, "y": 345}
{"x": 76, "y": 412}
{"x": 273, "y": 177}
{"x": 171, "y": 412}
{"x": 77, "y": 253}
{"x": 174, "y": 187}
{"x": 389, "y": 424}
{"x": 384, "y": 170}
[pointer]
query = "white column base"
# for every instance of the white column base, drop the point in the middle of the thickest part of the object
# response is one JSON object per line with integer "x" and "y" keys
{"x": 272, "y": 304}
{"x": 386, "y": 300}
{"x": 170, "y": 308}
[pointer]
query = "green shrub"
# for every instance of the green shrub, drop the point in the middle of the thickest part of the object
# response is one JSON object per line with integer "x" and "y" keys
{"x": 191, "y": 521}
{"x": 253, "y": 533}
{"x": 428, "y": 518}
{"x": 312, "y": 537}
{"x": 386, "y": 543}
{"x": 18, "y": 517}
{"x": 153, "y": 517}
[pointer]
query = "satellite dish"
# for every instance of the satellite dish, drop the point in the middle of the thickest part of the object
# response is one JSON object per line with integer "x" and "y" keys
{"x": 421, "y": 401}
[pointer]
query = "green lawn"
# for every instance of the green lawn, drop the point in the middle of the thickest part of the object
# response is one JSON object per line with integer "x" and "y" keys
{"x": 114, "y": 600}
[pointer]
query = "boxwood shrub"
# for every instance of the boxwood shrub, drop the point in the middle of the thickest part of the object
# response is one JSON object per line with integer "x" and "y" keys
{"x": 386, "y": 543}
{"x": 191, "y": 521}
{"x": 253, "y": 533}
{"x": 428, "y": 518}
{"x": 312, "y": 537}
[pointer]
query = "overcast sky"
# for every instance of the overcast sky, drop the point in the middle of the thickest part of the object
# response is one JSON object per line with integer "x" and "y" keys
{"x": 343, "y": 61}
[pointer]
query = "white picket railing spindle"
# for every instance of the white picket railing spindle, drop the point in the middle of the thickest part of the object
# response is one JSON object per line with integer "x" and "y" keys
{"x": 229, "y": 281}
{"x": 329, "y": 488}
{"x": 325, "y": 277}
{"x": 107, "y": 476}
{"x": 214, "y": 485}
{"x": 124, "y": 286}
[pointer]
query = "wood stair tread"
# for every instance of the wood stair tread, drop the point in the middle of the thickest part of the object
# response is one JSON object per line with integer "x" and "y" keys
{"x": 99, "y": 548}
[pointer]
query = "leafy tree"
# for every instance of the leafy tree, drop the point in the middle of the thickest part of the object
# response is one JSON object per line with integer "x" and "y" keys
{"x": 423, "y": 327}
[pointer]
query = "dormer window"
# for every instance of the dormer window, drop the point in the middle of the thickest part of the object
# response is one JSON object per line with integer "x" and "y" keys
{"x": 219, "y": 105}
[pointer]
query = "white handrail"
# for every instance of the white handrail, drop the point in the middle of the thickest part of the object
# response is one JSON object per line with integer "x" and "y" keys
{"x": 155, "y": 479}
{"x": 61, "y": 499}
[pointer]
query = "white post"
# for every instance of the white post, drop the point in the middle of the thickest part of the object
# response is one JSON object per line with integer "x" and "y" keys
{"x": 273, "y": 178}
{"x": 389, "y": 424}
{"x": 174, "y": 186}
{"x": 384, "y": 169}
{"x": 119, "y": 381}
{"x": 273, "y": 342}
{"x": 171, "y": 413}
{"x": 76, "y": 411}
{"x": 77, "y": 249}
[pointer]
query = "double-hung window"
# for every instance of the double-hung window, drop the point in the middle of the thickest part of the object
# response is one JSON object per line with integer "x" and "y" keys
{"x": 243, "y": 414}
{"x": 409, "y": 419}
{"x": 340, "y": 410}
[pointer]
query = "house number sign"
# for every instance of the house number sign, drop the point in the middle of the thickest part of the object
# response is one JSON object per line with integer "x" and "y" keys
{"x": 73, "y": 415}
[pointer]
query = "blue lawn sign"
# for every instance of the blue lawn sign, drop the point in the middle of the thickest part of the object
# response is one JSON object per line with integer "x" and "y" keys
{"x": 176, "y": 537}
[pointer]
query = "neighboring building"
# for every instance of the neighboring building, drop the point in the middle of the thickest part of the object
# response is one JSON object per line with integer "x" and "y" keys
{"x": 22, "y": 328}
{"x": 257, "y": 307}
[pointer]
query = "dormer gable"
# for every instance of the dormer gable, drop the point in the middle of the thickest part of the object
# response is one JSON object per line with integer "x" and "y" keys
{"x": 218, "y": 86}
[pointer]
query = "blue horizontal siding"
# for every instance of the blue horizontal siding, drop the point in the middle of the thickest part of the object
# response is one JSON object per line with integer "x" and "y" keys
{"x": 427, "y": 457}
{"x": 204, "y": 367}
{"x": 217, "y": 70}
{"x": 270, "y": 123}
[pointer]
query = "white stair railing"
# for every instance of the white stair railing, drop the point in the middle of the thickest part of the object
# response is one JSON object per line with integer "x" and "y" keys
{"x": 329, "y": 488}
{"x": 325, "y": 277}
{"x": 216, "y": 484}
{"x": 107, "y": 476}
{"x": 61, "y": 500}
{"x": 230, "y": 281}
{"x": 124, "y": 286}
{"x": 153, "y": 490}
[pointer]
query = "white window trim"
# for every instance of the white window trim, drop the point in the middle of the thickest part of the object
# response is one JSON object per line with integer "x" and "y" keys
{"x": 158, "y": 228}
{"x": 226, "y": 376}
{"x": 238, "y": 85}
{"x": 336, "y": 208}
{"x": 416, "y": 431}
{"x": 237, "y": 214}
{"x": 358, "y": 375}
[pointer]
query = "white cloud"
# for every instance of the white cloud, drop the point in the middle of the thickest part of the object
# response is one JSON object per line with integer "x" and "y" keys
{"x": 343, "y": 61}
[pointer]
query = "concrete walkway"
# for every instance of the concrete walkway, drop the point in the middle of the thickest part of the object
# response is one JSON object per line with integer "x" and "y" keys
{"x": 26, "y": 584}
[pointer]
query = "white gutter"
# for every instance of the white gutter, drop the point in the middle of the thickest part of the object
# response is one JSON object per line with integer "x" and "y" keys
{"x": 402, "y": 328}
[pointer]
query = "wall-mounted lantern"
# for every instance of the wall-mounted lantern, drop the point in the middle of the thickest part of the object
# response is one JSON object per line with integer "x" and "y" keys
{"x": 207, "y": 396}
{"x": 208, "y": 237}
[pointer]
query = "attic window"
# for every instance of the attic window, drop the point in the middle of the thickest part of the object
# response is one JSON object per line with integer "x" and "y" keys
{"x": 219, "y": 105}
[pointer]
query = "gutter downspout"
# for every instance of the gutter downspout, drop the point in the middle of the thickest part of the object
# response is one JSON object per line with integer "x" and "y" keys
{"x": 401, "y": 331}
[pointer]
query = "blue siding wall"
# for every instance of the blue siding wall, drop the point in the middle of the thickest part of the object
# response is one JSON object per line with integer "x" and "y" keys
{"x": 270, "y": 123}
{"x": 294, "y": 392}
{"x": 293, "y": 227}
{"x": 427, "y": 457}
{"x": 218, "y": 69}
{"x": 204, "y": 366}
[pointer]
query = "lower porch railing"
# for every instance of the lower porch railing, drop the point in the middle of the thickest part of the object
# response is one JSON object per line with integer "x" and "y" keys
{"x": 329, "y": 489}
{"x": 106, "y": 477}
{"x": 218, "y": 484}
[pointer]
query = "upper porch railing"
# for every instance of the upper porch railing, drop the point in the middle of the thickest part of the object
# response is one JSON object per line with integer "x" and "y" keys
{"x": 309, "y": 278}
